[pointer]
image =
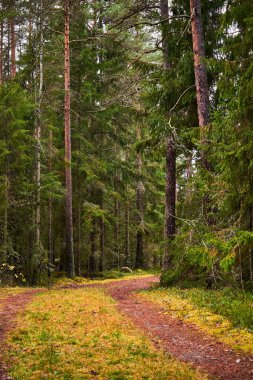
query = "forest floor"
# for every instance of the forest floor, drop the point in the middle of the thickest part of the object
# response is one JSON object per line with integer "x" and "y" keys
{"x": 115, "y": 330}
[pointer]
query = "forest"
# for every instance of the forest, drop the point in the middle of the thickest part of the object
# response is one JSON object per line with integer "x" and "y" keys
{"x": 126, "y": 189}
{"x": 125, "y": 139}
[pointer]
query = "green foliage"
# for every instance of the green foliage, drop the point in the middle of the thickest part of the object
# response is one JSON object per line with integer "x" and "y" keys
{"x": 235, "y": 305}
{"x": 10, "y": 275}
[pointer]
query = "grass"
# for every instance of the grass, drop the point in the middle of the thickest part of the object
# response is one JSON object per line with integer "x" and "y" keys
{"x": 79, "y": 334}
{"x": 108, "y": 276}
{"x": 225, "y": 315}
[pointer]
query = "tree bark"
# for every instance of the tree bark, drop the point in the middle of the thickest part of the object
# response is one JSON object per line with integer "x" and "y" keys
{"x": 50, "y": 212}
{"x": 68, "y": 173}
{"x": 102, "y": 244}
{"x": 92, "y": 258}
{"x": 13, "y": 49}
{"x": 39, "y": 94}
{"x": 170, "y": 185}
{"x": 127, "y": 236}
{"x": 170, "y": 199}
{"x": 139, "y": 258}
{"x": 200, "y": 74}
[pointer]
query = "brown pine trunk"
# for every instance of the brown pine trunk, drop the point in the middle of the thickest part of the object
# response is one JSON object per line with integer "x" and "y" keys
{"x": 139, "y": 258}
{"x": 170, "y": 185}
{"x": 68, "y": 174}
{"x": 200, "y": 74}
{"x": 13, "y": 49}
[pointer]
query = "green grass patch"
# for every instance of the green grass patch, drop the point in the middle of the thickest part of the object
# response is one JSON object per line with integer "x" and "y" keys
{"x": 237, "y": 306}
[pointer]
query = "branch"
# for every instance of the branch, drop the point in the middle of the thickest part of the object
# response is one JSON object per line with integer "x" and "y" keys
{"x": 120, "y": 20}
{"x": 180, "y": 97}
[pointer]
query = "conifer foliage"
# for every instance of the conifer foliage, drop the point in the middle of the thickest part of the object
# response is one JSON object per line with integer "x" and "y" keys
{"x": 125, "y": 139}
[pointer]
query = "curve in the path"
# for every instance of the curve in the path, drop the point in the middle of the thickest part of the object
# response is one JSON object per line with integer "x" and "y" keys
{"x": 182, "y": 340}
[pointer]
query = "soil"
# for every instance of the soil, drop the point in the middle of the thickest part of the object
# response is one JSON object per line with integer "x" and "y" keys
{"x": 12, "y": 305}
{"x": 181, "y": 340}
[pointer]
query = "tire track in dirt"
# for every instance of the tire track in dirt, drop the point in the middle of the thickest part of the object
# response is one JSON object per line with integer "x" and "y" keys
{"x": 181, "y": 340}
{"x": 12, "y": 306}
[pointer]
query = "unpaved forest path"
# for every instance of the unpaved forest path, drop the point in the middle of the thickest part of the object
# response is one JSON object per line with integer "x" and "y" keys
{"x": 183, "y": 341}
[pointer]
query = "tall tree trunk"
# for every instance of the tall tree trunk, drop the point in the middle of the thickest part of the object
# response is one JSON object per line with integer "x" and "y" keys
{"x": 13, "y": 49}
{"x": 170, "y": 199}
{"x": 1, "y": 53}
{"x": 50, "y": 211}
{"x": 68, "y": 174}
{"x": 39, "y": 94}
{"x": 170, "y": 186}
{"x": 79, "y": 224}
{"x": 116, "y": 209}
{"x": 250, "y": 249}
{"x": 6, "y": 221}
{"x": 127, "y": 236}
{"x": 200, "y": 74}
{"x": 92, "y": 257}
{"x": 102, "y": 243}
{"x": 139, "y": 258}
{"x": 8, "y": 66}
{"x": 79, "y": 195}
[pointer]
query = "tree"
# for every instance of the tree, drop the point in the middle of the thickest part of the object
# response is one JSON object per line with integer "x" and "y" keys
{"x": 200, "y": 74}
{"x": 68, "y": 173}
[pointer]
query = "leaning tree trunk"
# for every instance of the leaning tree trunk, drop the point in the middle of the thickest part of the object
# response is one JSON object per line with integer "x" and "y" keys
{"x": 170, "y": 186}
{"x": 200, "y": 74}
{"x": 70, "y": 265}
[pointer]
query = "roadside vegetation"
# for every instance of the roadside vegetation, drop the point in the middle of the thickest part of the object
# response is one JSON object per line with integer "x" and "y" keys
{"x": 225, "y": 314}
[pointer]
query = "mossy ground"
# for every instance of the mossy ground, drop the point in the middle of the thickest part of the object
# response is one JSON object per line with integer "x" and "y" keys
{"x": 197, "y": 306}
{"x": 79, "y": 334}
{"x": 105, "y": 277}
